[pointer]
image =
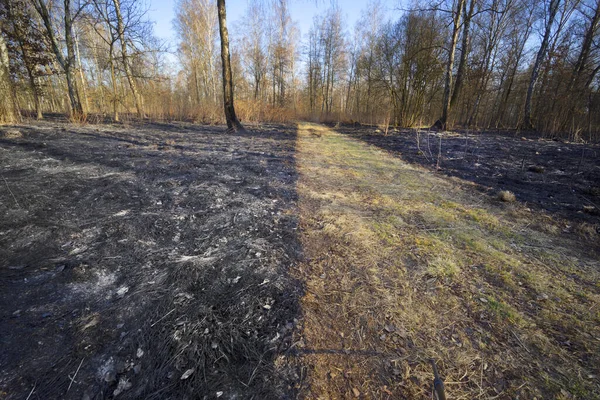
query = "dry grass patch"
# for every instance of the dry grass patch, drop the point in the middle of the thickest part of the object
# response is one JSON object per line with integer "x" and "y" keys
{"x": 507, "y": 196}
{"x": 403, "y": 265}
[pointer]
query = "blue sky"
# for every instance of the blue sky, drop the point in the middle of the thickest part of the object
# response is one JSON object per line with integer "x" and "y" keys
{"x": 302, "y": 11}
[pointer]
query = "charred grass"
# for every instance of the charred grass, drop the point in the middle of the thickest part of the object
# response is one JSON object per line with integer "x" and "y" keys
{"x": 404, "y": 265}
{"x": 146, "y": 261}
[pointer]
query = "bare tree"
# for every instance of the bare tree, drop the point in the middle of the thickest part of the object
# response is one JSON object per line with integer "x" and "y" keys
{"x": 593, "y": 26}
{"x": 233, "y": 124}
{"x": 196, "y": 25}
{"x": 254, "y": 45}
{"x": 465, "y": 60}
{"x": 493, "y": 26}
{"x": 126, "y": 61}
{"x": 66, "y": 63}
{"x": 552, "y": 10}
{"x": 8, "y": 112}
{"x": 107, "y": 32}
{"x": 517, "y": 35}
{"x": 27, "y": 47}
{"x": 464, "y": 51}
{"x": 456, "y": 13}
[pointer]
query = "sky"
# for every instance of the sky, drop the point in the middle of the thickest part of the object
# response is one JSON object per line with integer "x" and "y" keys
{"x": 161, "y": 12}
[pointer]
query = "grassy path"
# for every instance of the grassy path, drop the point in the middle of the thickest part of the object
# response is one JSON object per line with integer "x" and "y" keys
{"x": 403, "y": 265}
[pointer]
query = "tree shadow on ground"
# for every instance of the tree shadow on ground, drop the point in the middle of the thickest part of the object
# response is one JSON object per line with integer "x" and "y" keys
{"x": 561, "y": 178}
{"x": 147, "y": 262}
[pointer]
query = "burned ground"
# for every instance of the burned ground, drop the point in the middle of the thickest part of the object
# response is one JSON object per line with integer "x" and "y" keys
{"x": 146, "y": 262}
{"x": 559, "y": 177}
{"x": 175, "y": 261}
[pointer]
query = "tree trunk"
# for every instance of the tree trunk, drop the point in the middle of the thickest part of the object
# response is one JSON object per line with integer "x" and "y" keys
{"x": 8, "y": 111}
{"x": 233, "y": 124}
{"x": 585, "y": 48}
{"x": 350, "y": 78}
{"x": 464, "y": 52}
{"x": 99, "y": 81}
{"x": 535, "y": 72}
{"x": 113, "y": 80}
{"x": 442, "y": 123}
{"x": 575, "y": 83}
{"x": 68, "y": 63}
{"x": 81, "y": 75}
{"x": 32, "y": 84}
{"x": 76, "y": 106}
{"x": 26, "y": 63}
{"x": 36, "y": 95}
{"x": 519, "y": 46}
{"x": 121, "y": 33}
{"x": 197, "y": 84}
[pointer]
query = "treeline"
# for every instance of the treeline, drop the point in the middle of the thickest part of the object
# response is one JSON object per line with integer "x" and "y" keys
{"x": 265, "y": 61}
{"x": 502, "y": 64}
{"x": 81, "y": 57}
{"x": 489, "y": 64}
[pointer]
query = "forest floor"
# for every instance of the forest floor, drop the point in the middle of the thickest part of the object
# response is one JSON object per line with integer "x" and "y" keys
{"x": 175, "y": 261}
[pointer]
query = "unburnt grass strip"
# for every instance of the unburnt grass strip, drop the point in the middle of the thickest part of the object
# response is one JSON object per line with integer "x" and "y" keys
{"x": 403, "y": 265}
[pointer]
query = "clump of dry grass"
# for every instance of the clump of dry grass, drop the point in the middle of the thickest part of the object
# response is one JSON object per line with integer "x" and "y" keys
{"x": 587, "y": 231}
{"x": 11, "y": 134}
{"x": 79, "y": 119}
{"x": 507, "y": 196}
{"x": 443, "y": 267}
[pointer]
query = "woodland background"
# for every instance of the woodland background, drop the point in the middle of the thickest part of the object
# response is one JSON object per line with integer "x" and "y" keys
{"x": 480, "y": 64}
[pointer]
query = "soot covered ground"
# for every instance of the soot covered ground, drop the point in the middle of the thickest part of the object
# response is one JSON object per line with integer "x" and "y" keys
{"x": 146, "y": 261}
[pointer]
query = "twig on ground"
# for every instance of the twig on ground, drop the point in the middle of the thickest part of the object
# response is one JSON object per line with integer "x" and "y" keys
{"x": 520, "y": 342}
{"x": 11, "y": 192}
{"x": 74, "y": 376}
{"x": 32, "y": 390}
{"x": 481, "y": 393}
{"x": 254, "y": 372}
{"x": 163, "y": 317}
{"x": 589, "y": 201}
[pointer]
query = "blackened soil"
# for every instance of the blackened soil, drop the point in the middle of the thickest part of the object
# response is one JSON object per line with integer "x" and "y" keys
{"x": 146, "y": 261}
{"x": 559, "y": 177}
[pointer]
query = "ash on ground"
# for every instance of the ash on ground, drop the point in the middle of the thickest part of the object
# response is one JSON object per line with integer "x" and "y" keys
{"x": 147, "y": 261}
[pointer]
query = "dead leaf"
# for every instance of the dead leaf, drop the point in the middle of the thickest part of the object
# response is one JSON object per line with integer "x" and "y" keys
{"x": 187, "y": 373}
